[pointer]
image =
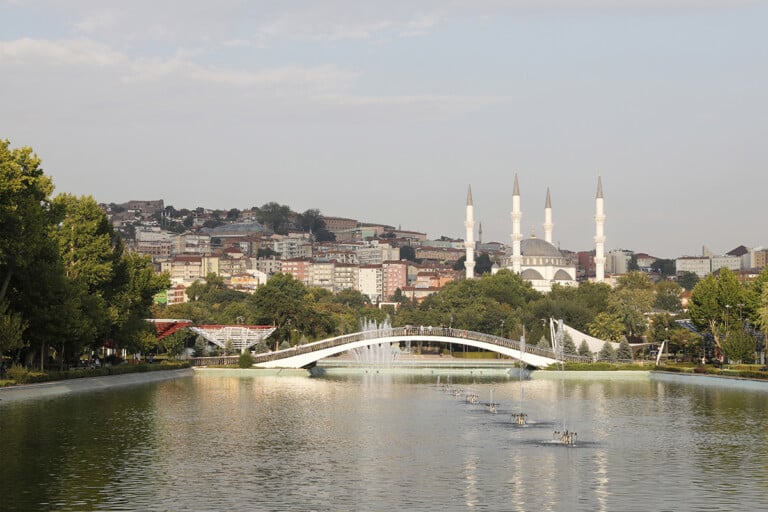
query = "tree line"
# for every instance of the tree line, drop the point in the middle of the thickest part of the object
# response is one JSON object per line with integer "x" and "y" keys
{"x": 67, "y": 284}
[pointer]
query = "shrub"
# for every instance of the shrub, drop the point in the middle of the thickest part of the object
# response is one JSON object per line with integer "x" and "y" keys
{"x": 245, "y": 360}
{"x": 18, "y": 373}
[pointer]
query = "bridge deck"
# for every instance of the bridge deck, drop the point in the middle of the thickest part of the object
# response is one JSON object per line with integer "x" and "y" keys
{"x": 307, "y": 355}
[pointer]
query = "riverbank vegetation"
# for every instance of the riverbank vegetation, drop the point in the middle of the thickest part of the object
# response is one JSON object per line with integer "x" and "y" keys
{"x": 19, "y": 374}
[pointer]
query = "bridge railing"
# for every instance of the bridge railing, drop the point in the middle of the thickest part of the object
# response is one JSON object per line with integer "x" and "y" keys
{"x": 400, "y": 332}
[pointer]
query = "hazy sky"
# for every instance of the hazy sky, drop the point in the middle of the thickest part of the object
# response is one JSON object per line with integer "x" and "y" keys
{"x": 386, "y": 111}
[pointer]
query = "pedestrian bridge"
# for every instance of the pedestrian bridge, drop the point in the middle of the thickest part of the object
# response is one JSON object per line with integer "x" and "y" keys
{"x": 307, "y": 355}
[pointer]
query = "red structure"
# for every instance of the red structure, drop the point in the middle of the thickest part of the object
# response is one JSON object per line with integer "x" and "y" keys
{"x": 167, "y": 326}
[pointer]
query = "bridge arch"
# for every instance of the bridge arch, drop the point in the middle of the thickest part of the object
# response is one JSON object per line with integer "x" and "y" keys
{"x": 306, "y": 356}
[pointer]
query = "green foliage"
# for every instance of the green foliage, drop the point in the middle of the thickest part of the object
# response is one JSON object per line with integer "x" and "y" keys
{"x": 569, "y": 347}
{"x": 668, "y": 297}
{"x": 606, "y": 326}
{"x": 688, "y": 280}
{"x": 12, "y": 328}
{"x": 245, "y": 360}
{"x": 18, "y": 373}
{"x": 624, "y": 351}
{"x": 739, "y": 346}
{"x": 607, "y": 352}
{"x": 664, "y": 267}
{"x": 717, "y": 303}
{"x": 275, "y": 216}
{"x": 584, "y": 349}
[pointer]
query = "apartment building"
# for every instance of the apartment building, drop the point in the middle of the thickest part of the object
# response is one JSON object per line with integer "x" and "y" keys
{"x": 394, "y": 276}
{"x": 699, "y": 265}
{"x": 154, "y": 242}
{"x": 345, "y": 276}
{"x": 370, "y": 282}
{"x": 299, "y": 268}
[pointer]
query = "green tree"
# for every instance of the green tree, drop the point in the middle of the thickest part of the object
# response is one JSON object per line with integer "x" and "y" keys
{"x": 624, "y": 351}
{"x": 687, "y": 280}
{"x": 31, "y": 275}
{"x": 275, "y": 216}
{"x": 606, "y": 326}
{"x": 584, "y": 349}
{"x": 664, "y": 267}
{"x": 668, "y": 296}
{"x": 739, "y": 346}
{"x": 12, "y": 328}
{"x": 607, "y": 352}
{"x": 569, "y": 347}
{"x": 714, "y": 305}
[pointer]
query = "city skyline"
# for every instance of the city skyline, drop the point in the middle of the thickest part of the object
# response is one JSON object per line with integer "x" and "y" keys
{"x": 387, "y": 112}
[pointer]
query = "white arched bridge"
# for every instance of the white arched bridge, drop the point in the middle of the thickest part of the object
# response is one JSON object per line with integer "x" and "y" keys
{"x": 307, "y": 355}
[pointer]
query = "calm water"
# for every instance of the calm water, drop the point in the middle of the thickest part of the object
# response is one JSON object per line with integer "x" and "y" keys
{"x": 378, "y": 442}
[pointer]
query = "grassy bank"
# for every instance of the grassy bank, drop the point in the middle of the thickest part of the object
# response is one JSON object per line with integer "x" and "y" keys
{"x": 738, "y": 371}
{"x": 21, "y": 375}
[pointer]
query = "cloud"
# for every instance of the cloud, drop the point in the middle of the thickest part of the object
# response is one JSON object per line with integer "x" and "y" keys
{"x": 67, "y": 52}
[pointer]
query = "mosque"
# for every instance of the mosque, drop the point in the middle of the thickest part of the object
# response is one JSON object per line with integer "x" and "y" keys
{"x": 538, "y": 260}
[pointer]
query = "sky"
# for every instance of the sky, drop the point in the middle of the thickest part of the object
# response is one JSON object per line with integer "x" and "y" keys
{"x": 387, "y": 111}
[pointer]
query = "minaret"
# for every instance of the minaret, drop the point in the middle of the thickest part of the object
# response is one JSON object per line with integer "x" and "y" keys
{"x": 548, "y": 219}
{"x": 480, "y": 233}
{"x": 517, "y": 256}
{"x": 469, "y": 241}
{"x": 599, "y": 234}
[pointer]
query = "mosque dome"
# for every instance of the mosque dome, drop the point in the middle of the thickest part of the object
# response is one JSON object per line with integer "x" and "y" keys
{"x": 539, "y": 247}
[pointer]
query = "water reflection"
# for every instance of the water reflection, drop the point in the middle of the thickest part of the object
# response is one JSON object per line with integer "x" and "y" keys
{"x": 384, "y": 442}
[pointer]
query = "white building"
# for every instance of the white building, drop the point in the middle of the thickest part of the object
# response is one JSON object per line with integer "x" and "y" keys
{"x": 699, "y": 265}
{"x": 370, "y": 280}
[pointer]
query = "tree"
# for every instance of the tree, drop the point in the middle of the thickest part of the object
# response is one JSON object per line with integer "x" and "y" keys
{"x": 714, "y": 305}
{"x": 687, "y": 280}
{"x": 606, "y": 326}
{"x": 739, "y": 346}
{"x": 569, "y": 347}
{"x": 607, "y": 352}
{"x": 584, "y": 349}
{"x": 663, "y": 267}
{"x": 12, "y": 328}
{"x": 625, "y": 351}
{"x": 668, "y": 296}
{"x": 275, "y": 216}
{"x": 31, "y": 275}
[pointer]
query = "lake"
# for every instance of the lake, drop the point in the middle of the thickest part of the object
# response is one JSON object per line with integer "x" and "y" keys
{"x": 352, "y": 441}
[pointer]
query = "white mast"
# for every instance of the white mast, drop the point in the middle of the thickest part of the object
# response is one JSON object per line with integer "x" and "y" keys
{"x": 469, "y": 241}
{"x": 548, "y": 219}
{"x": 517, "y": 257}
{"x": 599, "y": 234}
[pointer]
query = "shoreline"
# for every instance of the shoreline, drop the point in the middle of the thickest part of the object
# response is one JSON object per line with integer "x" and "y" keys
{"x": 65, "y": 387}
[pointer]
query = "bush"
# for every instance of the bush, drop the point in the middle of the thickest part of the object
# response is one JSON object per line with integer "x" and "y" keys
{"x": 18, "y": 373}
{"x": 245, "y": 360}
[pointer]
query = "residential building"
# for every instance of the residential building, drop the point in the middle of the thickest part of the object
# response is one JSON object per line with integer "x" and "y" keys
{"x": 345, "y": 277}
{"x": 370, "y": 282}
{"x": 154, "y": 242}
{"x": 299, "y": 268}
{"x": 699, "y": 265}
{"x": 394, "y": 276}
{"x": 191, "y": 243}
{"x": 729, "y": 262}
{"x": 321, "y": 274}
{"x": 617, "y": 262}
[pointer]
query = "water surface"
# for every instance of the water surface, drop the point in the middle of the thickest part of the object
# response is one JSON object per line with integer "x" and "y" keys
{"x": 387, "y": 442}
